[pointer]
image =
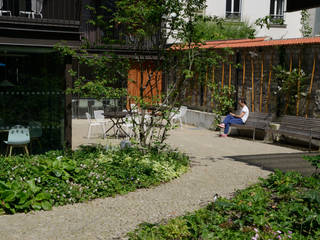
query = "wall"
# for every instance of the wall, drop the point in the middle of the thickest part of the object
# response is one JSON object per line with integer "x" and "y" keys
{"x": 257, "y": 93}
{"x": 252, "y": 10}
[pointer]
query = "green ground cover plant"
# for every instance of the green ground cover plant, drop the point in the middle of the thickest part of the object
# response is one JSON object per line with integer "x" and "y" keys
{"x": 58, "y": 178}
{"x": 283, "y": 206}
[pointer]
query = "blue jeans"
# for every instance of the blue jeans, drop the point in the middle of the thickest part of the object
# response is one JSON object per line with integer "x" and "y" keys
{"x": 230, "y": 119}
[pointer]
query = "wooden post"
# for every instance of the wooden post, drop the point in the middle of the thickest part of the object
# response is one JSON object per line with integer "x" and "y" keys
{"x": 269, "y": 83}
{"x": 298, "y": 90}
{"x": 213, "y": 80}
{"x": 205, "y": 88}
{"x": 230, "y": 74}
{"x": 196, "y": 88}
{"x": 252, "y": 85}
{"x": 68, "y": 105}
{"x": 222, "y": 77}
{"x": 261, "y": 83}
{"x": 287, "y": 96}
{"x": 243, "y": 75}
{"x": 311, "y": 84}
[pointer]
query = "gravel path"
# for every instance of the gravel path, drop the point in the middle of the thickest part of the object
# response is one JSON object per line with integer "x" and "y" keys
{"x": 111, "y": 218}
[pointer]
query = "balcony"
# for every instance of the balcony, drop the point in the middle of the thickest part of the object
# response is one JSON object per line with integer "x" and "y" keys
{"x": 40, "y": 19}
{"x": 40, "y": 11}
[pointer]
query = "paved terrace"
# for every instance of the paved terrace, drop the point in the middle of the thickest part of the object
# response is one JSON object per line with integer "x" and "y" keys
{"x": 110, "y": 218}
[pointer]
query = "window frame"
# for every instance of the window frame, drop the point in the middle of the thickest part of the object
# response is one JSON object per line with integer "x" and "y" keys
{"x": 275, "y": 13}
{"x": 232, "y": 14}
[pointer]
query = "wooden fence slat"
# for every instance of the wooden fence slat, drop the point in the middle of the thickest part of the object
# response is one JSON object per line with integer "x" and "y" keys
{"x": 205, "y": 88}
{"x": 230, "y": 69}
{"x": 252, "y": 85}
{"x": 261, "y": 83}
{"x": 288, "y": 96}
{"x": 269, "y": 83}
{"x": 299, "y": 86}
{"x": 222, "y": 77}
{"x": 243, "y": 74}
{"x": 213, "y": 80}
{"x": 311, "y": 84}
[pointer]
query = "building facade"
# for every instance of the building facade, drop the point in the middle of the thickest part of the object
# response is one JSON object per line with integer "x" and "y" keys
{"x": 282, "y": 24}
{"x": 33, "y": 77}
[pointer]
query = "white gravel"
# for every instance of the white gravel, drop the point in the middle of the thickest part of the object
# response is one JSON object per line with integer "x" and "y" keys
{"x": 112, "y": 218}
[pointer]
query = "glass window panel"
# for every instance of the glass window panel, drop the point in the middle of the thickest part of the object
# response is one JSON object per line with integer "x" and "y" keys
{"x": 228, "y": 7}
{"x": 236, "y": 7}
{"x": 272, "y": 3}
{"x": 279, "y": 7}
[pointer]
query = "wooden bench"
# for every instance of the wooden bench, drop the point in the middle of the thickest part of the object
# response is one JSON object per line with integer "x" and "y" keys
{"x": 256, "y": 120}
{"x": 299, "y": 127}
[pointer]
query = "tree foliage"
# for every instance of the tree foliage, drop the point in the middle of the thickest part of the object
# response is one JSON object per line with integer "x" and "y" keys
{"x": 146, "y": 27}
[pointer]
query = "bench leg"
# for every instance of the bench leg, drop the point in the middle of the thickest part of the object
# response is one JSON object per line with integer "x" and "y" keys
{"x": 10, "y": 151}
{"x": 254, "y": 134}
{"x": 26, "y": 150}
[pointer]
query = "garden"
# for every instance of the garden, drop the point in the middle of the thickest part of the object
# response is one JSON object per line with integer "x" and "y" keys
{"x": 283, "y": 206}
{"x": 58, "y": 178}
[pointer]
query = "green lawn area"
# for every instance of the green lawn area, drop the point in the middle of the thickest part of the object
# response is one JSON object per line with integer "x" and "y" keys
{"x": 283, "y": 206}
{"x": 59, "y": 178}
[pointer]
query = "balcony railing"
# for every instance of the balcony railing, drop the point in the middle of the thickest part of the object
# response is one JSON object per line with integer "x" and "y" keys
{"x": 277, "y": 19}
{"x": 43, "y": 11}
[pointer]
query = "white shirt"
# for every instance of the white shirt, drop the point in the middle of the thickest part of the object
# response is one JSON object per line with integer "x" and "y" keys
{"x": 245, "y": 109}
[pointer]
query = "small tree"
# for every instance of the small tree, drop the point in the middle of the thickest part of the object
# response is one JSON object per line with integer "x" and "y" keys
{"x": 291, "y": 86}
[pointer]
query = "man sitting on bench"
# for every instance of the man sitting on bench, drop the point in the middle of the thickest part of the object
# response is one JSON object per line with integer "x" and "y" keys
{"x": 235, "y": 119}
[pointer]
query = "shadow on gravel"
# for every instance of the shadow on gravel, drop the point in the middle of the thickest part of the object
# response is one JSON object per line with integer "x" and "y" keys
{"x": 197, "y": 161}
{"x": 285, "y": 162}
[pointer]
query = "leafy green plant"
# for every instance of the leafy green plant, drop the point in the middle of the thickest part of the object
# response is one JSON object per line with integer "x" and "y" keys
{"x": 268, "y": 21}
{"x": 59, "y": 178}
{"x": 291, "y": 87}
{"x": 314, "y": 160}
{"x": 305, "y": 30}
{"x": 215, "y": 28}
{"x": 223, "y": 100}
{"x": 283, "y": 206}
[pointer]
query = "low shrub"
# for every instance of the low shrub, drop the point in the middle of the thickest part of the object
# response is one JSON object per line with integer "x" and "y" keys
{"x": 59, "y": 178}
{"x": 283, "y": 206}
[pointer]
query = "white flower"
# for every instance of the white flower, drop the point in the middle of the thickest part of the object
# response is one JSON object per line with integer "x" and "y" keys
{"x": 58, "y": 158}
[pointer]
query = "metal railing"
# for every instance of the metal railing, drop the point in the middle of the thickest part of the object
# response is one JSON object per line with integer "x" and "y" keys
{"x": 40, "y": 10}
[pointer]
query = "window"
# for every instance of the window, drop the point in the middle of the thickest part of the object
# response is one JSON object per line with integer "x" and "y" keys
{"x": 276, "y": 11}
{"x": 233, "y": 9}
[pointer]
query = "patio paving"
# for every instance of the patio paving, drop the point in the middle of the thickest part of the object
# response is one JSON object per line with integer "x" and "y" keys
{"x": 111, "y": 218}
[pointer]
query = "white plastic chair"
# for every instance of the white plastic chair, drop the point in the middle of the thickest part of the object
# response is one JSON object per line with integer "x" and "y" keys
{"x": 4, "y": 11}
{"x": 99, "y": 116}
{"x": 19, "y": 136}
{"x": 36, "y": 9}
{"x": 93, "y": 124}
{"x": 178, "y": 116}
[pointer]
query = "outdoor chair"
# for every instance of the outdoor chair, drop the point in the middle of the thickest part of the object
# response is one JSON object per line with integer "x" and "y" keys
{"x": 99, "y": 116}
{"x": 7, "y": 12}
{"x": 19, "y": 136}
{"x": 36, "y": 9}
{"x": 179, "y": 115}
{"x": 93, "y": 124}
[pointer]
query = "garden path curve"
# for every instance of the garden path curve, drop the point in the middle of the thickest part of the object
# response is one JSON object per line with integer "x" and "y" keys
{"x": 111, "y": 218}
